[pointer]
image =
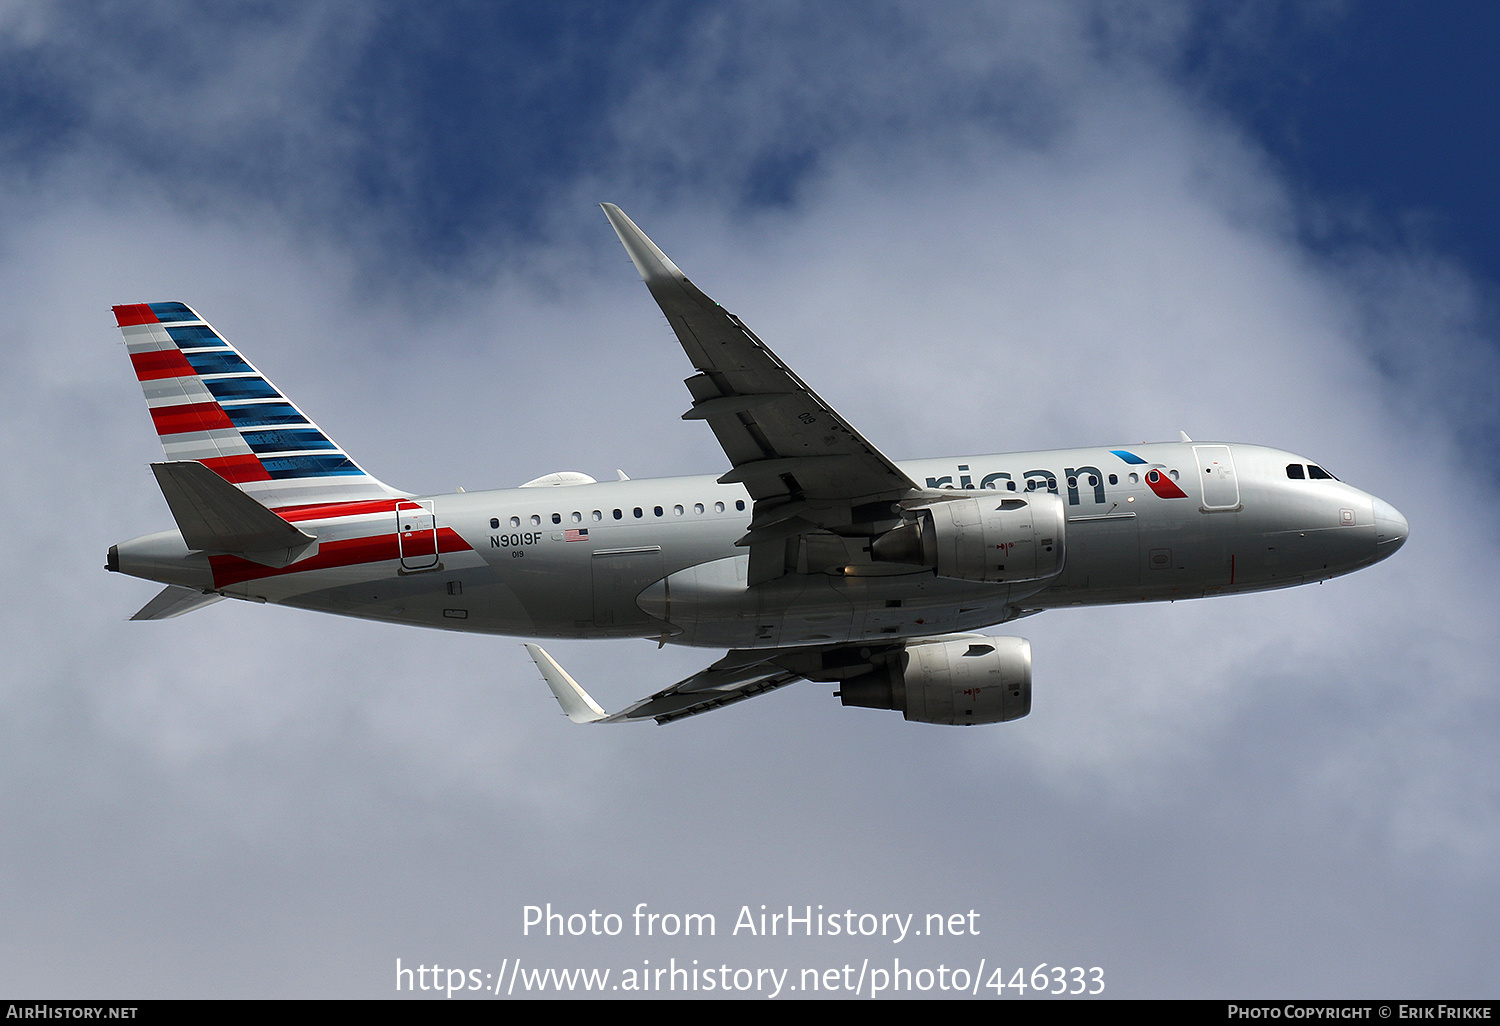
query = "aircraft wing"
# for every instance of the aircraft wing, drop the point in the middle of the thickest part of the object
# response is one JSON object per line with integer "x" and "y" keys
{"x": 804, "y": 465}
{"x": 732, "y": 679}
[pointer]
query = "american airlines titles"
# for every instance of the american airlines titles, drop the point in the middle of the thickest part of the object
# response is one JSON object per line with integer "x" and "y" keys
{"x": 1090, "y": 479}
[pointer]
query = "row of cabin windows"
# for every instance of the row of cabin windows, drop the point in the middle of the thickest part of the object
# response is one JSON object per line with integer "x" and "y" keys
{"x": 1293, "y": 470}
{"x": 1315, "y": 473}
{"x": 638, "y": 513}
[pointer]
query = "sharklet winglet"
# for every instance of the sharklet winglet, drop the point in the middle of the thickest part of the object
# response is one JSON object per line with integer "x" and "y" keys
{"x": 575, "y": 702}
{"x": 651, "y": 262}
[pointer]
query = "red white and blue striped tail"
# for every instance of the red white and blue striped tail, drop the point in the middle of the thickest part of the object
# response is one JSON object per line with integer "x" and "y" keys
{"x": 211, "y": 406}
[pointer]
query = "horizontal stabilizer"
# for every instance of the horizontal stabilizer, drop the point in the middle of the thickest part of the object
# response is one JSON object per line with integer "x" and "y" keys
{"x": 175, "y": 600}
{"x": 214, "y": 515}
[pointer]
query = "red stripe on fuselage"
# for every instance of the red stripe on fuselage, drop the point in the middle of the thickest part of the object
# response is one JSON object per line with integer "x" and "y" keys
{"x": 231, "y": 570}
{"x": 161, "y": 363}
{"x": 175, "y": 420}
{"x": 134, "y": 313}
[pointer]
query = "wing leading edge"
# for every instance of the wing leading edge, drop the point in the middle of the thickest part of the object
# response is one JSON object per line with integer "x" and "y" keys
{"x": 806, "y": 468}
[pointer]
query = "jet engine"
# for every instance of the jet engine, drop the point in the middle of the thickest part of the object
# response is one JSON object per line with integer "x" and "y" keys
{"x": 991, "y": 539}
{"x": 955, "y": 681}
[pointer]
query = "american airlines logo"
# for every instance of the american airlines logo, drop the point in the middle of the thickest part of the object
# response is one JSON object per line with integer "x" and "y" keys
{"x": 1078, "y": 481}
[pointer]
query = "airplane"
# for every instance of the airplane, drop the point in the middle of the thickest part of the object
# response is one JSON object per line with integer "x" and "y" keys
{"x": 813, "y": 557}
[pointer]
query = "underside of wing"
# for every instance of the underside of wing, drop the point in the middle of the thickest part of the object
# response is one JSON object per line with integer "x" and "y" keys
{"x": 806, "y": 468}
{"x": 731, "y": 679}
{"x": 955, "y": 679}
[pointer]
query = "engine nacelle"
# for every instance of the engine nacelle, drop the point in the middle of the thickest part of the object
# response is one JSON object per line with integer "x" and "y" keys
{"x": 958, "y": 681}
{"x": 996, "y": 538}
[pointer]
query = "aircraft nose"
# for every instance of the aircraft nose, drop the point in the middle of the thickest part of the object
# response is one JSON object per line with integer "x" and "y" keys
{"x": 1390, "y": 528}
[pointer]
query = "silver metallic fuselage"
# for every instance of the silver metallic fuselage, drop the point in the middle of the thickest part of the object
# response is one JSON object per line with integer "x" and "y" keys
{"x": 562, "y": 562}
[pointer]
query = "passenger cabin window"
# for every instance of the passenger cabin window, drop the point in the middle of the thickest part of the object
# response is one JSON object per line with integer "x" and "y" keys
{"x": 557, "y": 518}
{"x": 1294, "y": 471}
{"x": 494, "y": 523}
{"x": 618, "y": 514}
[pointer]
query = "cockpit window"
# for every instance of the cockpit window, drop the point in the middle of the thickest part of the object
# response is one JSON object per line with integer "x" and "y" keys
{"x": 1294, "y": 471}
{"x": 1319, "y": 474}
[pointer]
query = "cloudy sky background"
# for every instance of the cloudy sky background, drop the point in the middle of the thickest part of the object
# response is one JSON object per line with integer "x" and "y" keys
{"x": 972, "y": 228}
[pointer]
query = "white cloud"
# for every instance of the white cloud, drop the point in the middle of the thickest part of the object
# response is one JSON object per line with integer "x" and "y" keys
{"x": 252, "y": 800}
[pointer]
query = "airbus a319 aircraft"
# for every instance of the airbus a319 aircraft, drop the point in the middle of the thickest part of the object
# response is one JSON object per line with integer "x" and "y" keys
{"x": 812, "y": 557}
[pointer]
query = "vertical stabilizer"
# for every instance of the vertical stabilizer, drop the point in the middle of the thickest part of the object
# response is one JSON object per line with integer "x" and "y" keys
{"x": 211, "y": 406}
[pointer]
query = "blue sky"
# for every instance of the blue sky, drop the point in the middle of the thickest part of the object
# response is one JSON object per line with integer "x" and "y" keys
{"x": 971, "y": 228}
{"x": 398, "y": 116}
{"x": 1382, "y": 106}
